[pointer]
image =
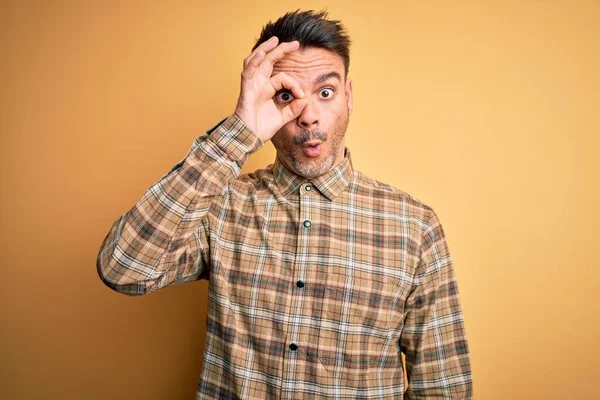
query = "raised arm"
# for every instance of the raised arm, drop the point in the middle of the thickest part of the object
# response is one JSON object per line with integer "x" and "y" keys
{"x": 162, "y": 240}
{"x": 433, "y": 338}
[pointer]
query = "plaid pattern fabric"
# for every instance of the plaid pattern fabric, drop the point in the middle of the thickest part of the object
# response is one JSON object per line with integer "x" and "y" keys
{"x": 315, "y": 286}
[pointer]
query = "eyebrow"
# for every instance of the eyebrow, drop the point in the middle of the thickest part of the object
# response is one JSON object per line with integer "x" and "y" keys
{"x": 327, "y": 76}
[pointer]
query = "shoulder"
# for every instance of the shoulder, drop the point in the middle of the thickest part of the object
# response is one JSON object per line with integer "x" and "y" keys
{"x": 260, "y": 180}
{"x": 392, "y": 198}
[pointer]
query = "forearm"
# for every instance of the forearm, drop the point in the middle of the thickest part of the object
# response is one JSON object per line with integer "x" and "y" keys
{"x": 161, "y": 240}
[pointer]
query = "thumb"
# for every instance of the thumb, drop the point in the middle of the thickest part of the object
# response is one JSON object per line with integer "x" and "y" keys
{"x": 293, "y": 109}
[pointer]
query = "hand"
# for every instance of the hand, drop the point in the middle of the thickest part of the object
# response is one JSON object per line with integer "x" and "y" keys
{"x": 256, "y": 106}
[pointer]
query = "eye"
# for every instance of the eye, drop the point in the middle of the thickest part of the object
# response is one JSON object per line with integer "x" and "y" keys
{"x": 284, "y": 97}
{"x": 326, "y": 93}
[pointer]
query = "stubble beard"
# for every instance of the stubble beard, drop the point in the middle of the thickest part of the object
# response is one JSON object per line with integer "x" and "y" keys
{"x": 315, "y": 168}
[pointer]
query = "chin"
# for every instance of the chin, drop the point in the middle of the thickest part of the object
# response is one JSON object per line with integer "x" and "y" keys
{"x": 313, "y": 168}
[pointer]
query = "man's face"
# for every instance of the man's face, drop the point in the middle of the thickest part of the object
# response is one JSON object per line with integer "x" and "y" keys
{"x": 313, "y": 143}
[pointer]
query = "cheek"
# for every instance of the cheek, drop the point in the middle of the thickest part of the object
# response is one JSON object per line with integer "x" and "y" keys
{"x": 283, "y": 137}
{"x": 338, "y": 114}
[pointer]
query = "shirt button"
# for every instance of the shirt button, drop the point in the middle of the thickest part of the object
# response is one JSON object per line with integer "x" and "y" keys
{"x": 300, "y": 284}
{"x": 293, "y": 347}
{"x": 307, "y": 224}
{"x": 307, "y": 188}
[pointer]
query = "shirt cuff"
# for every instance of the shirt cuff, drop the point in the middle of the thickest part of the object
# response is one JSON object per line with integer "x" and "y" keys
{"x": 235, "y": 138}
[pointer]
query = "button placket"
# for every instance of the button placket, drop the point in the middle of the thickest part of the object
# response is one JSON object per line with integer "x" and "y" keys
{"x": 306, "y": 223}
{"x": 303, "y": 247}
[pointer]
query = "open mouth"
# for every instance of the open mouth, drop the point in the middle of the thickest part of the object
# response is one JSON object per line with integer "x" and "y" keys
{"x": 311, "y": 149}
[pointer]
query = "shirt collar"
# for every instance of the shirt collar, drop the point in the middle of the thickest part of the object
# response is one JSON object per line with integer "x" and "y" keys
{"x": 331, "y": 183}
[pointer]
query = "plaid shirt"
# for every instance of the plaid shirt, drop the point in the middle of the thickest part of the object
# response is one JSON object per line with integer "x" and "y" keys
{"x": 315, "y": 286}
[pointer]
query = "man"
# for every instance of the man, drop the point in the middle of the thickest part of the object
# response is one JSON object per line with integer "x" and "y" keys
{"x": 319, "y": 276}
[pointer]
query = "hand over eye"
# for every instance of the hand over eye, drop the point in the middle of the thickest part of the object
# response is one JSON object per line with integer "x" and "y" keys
{"x": 257, "y": 106}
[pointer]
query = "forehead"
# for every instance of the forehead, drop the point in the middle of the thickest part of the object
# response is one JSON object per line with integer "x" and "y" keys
{"x": 309, "y": 62}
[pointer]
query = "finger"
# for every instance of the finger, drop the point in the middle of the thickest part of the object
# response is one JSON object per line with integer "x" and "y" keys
{"x": 293, "y": 110}
{"x": 284, "y": 81}
{"x": 281, "y": 50}
{"x": 251, "y": 68}
{"x": 265, "y": 47}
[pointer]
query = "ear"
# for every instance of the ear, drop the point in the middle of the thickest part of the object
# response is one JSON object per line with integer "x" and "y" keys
{"x": 349, "y": 96}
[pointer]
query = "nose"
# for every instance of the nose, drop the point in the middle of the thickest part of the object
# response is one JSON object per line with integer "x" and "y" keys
{"x": 309, "y": 118}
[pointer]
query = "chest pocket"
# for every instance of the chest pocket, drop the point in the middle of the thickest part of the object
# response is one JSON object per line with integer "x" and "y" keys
{"x": 355, "y": 333}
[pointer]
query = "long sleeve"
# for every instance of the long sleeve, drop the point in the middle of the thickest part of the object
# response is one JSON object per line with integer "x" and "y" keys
{"x": 163, "y": 240}
{"x": 433, "y": 338}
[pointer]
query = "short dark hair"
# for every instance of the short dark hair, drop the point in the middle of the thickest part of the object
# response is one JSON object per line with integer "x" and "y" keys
{"x": 311, "y": 29}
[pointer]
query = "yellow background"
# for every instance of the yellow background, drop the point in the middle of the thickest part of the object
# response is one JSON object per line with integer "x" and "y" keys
{"x": 485, "y": 110}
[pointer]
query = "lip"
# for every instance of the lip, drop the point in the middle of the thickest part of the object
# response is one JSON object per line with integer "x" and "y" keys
{"x": 311, "y": 143}
{"x": 311, "y": 149}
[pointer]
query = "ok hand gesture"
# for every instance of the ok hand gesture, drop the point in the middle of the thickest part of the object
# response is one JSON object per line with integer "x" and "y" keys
{"x": 256, "y": 106}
